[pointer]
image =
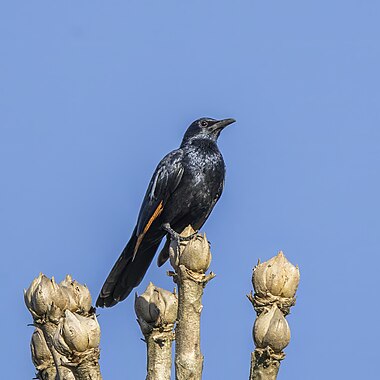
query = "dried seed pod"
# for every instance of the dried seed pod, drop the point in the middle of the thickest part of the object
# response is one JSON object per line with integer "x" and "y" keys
{"x": 32, "y": 288}
{"x": 76, "y": 333}
{"x": 41, "y": 355}
{"x": 67, "y": 288}
{"x": 156, "y": 305}
{"x": 79, "y": 296}
{"x": 93, "y": 330}
{"x": 59, "y": 341}
{"x": 194, "y": 254}
{"x": 271, "y": 329}
{"x": 145, "y": 308}
{"x": 42, "y": 294}
{"x": 170, "y": 299}
{"x": 276, "y": 276}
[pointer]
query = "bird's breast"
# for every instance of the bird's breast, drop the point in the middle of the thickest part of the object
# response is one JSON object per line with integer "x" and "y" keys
{"x": 200, "y": 187}
{"x": 201, "y": 183}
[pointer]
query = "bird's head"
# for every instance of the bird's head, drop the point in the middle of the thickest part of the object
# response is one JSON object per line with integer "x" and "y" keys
{"x": 206, "y": 128}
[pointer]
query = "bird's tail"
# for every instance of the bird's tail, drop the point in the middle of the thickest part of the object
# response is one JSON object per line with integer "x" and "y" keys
{"x": 126, "y": 274}
{"x": 164, "y": 254}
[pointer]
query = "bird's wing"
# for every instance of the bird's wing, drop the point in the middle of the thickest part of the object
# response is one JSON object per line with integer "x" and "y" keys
{"x": 165, "y": 180}
{"x": 213, "y": 203}
{"x": 164, "y": 254}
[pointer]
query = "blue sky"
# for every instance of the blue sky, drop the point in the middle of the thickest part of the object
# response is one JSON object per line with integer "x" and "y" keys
{"x": 94, "y": 94}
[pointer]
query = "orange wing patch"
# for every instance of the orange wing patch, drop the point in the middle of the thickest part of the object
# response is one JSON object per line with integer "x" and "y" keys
{"x": 155, "y": 215}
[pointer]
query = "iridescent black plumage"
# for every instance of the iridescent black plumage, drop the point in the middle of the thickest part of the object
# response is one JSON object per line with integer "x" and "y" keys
{"x": 184, "y": 188}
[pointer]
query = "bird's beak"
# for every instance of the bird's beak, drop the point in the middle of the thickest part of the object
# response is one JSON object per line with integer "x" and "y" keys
{"x": 221, "y": 124}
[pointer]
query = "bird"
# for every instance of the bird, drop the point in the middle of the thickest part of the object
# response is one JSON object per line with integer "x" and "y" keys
{"x": 183, "y": 190}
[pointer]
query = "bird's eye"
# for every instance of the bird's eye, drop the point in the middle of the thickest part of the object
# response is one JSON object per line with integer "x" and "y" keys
{"x": 204, "y": 123}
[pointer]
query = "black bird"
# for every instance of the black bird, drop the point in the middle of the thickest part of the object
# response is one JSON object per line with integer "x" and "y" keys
{"x": 184, "y": 189}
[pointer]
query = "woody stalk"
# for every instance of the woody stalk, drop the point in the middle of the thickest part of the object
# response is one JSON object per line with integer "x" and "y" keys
{"x": 190, "y": 260}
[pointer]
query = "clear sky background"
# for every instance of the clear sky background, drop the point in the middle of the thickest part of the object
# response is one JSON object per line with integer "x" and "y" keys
{"x": 93, "y": 94}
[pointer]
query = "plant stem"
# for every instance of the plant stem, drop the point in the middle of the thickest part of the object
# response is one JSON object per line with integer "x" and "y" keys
{"x": 188, "y": 356}
{"x": 159, "y": 353}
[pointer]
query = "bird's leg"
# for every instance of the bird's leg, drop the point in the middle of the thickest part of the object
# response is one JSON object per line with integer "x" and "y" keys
{"x": 175, "y": 235}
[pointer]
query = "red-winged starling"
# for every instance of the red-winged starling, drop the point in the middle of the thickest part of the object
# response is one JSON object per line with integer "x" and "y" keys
{"x": 184, "y": 189}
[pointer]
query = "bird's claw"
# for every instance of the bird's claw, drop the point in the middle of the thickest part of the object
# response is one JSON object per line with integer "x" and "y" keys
{"x": 187, "y": 238}
{"x": 175, "y": 235}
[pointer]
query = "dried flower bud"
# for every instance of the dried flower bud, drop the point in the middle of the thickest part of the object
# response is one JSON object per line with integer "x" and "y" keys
{"x": 68, "y": 290}
{"x": 93, "y": 330}
{"x": 32, "y": 288}
{"x": 42, "y": 294}
{"x": 78, "y": 295}
{"x": 59, "y": 341}
{"x": 76, "y": 333}
{"x": 194, "y": 254}
{"x": 41, "y": 355}
{"x": 156, "y": 306}
{"x": 271, "y": 329}
{"x": 277, "y": 276}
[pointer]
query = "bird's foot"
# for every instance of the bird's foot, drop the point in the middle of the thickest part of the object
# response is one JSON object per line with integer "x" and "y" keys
{"x": 175, "y": 235}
